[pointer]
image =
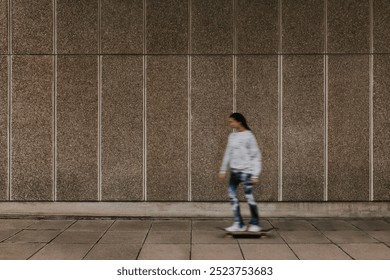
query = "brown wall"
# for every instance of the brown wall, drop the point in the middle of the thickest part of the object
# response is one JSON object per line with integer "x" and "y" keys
{"x": 127, "y": 100}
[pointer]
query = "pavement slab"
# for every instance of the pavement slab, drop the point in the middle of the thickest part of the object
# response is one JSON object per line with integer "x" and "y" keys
{"x": 349, "y": 236}
{"x": 4, "y": 234}
{"x": 51, "y": 224}
{"x": 367, "y": 251}
{"x": 15, "y": 223}
{"x": 210, "y": 237}
{"x": 216, "y": 252}
{"x": 78, "y": 237}
{"x": 328, "y": 225}
{"x": 291, "y": 224}
{"x": 130, "y": 225}
{"x": 114, "y": 252}
{"x": 165, "y": 252}
{"x": 267, "y": 252}
{"x": 381, "y": 235}
{"x": 54, "y": 251}
{"x": 303, "y": 236}
{"x": 123, "y": 237}
{"x": 168, "y": 237}
{"x": 18, "y": 251}
{"x": 319, "y": 252}
{"x": 167, "y": 225}
{"x": 31, "y": 236}
{"x": 91, "y": 225}
{"x": 370, "y": 225}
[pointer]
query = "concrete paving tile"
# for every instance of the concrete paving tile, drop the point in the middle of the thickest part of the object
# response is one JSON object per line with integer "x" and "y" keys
{"x": 272, "y": 237}
{"x": 130, "y": 225}
{"x": 31, "y": 236}
{"x": 78, "y": 237}
{"x": 123, "y": 237}
{"x": 303, "y": 236}
{"x": 216, "y": 252}
{"x": 114, "y": 252}
{"x": 328, "y": 225}
{"x": 371, "y": 224}
{"x": 165, "y": 252}
{"x": 267, "y": 252}
{"x": 349, "y": 236}
{"x": 319, "y": 252}
{"x": 4, "y": 234}
{"x": 367, "y": 251}
{"x": 62, "y": 252}
{"x": 171, "y": 225}
{"x": 211, "y": 237}
{"x": 15, "y": 223}
{"x": 18, "y": 251}
{"x": 291, "y": 224}
{"x": 51, "y": 224}
{"x": 91, "y": 225}
{"x": 381, "y": 235}
{"x": 168, "y": 237}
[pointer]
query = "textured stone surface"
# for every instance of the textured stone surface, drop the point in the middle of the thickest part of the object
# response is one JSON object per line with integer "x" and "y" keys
{"x": 349, "y": 236}
{"x": 32, "y": 27}
{"x": 32, "y": 128}
{"x": 381, "y": 26}
{"x": 167, "y": 128}
{"x": 122, "y": 128}
{"x": 348, "y": 129}
{"x": 303, "y": 128}
{"x": 257, "y": 100}
{"x": 257, "y": 26}
{"x": 168, "y": 237}
{"x": 78, "y": 237}
{"x": 381, "y": 127}
{"x": 211, "y": 104}
{"x": 319, "y": 252}
{"x": 122, "y": 26}
{"x": 303, "y": 236}
{"x": 62, "y": 252}
{"x": 367, "y": 251}
{"x": 30, "y": 236}
{"x": 303, "y": 26}
{"x": 3, "y": 128}
{"x": 212, "y": 27}
{"x": 133, "y": 225}
{"x": 3, "y": 26}
{"x": 216, "y": 252}
{"x": 348, "y": 26}
{"x": 77, "y": 26}
{"x": 122, "y": 237}
{"x": 292, "y": 224}
{"x": 77, "y": 124}
{"x": 18, "y": 251}
{"x": 91, "y": 225}
{"x": 267, "y": 252}
{"x": 165, "y": 252}
{"x": 167, "y": 26}
{"x": 114, "y": 252}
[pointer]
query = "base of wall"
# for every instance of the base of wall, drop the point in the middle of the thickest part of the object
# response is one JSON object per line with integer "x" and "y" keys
{"x": 192, "y": 209}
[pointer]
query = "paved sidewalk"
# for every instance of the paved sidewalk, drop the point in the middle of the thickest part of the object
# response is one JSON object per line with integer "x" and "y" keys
{"x": 152, "y": 239}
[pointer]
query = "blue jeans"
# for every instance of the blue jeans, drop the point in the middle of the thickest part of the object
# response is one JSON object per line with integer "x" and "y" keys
{"x": 235, "y": 179}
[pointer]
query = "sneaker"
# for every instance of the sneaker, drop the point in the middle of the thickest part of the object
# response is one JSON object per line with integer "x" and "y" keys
{"x": 254, "y": 228}
{"x": 235, "y": 227}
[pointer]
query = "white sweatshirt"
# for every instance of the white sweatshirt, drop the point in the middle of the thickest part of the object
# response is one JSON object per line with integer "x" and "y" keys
{"x": 242, "y": 154}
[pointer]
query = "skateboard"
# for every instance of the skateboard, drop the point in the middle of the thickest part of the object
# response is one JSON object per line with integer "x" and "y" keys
{"x": 248, "y": 234}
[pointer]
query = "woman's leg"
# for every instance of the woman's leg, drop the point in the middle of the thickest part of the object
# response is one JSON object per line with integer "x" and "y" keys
{"x": 232, "y": 189}
{"x": 247, "y": 182}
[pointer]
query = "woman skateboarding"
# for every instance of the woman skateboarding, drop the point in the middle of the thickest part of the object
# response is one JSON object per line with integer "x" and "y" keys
{"x": 243, "y": 156}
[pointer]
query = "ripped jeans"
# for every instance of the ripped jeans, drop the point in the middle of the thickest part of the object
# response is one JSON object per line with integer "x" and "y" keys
{"x": 235, "y": 179}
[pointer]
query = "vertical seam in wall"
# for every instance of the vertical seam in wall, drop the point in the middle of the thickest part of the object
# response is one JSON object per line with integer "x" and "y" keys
{"x": 326, "y": 94}
{"x": 54, "y": 100}
{"x": 280, "y": 108}
{"x": 10, "y": 56}
{"x": 145, "y": 193}
{"x": 99, "y": 104}
{"x": 189, "y": 100}
{"x": 234, "y": 58}
{"x": 371, "y": 116}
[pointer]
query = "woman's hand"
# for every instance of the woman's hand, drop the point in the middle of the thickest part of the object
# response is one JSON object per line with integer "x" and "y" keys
{"x": 222, "y": 177}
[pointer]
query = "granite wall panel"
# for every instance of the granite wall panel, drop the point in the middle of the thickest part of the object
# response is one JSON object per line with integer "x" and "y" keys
{"x": 122, "y": 128}
{"x": 77, "y": 27}
{"x": 167, "y": 128}
{"x": 32, "y": 128}
{"x": 257, "y": 100}
{"x": 381, "y": 127}
{"x": 211, "y": 104}
{"x": 77, "y": 128}
{"x": 212, "y": 27}
{"x": 381, "y": 26}
{"x": 348, "y": 129}
{"x": 32, "y": 27}
{"x": 348, "y": 26}
{"x": 303, "y": 26}
{"x": 303, "y": 128}
{"x": 3, "y": 26}
{"x": 122, "y": 26}
{"x": 167, "y": 27}
{"x": 257, "y": 26}
{"x": 3, "y": 128}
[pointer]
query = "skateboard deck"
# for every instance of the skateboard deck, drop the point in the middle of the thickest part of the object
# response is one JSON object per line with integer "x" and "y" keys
{"x": 248, "y": 234}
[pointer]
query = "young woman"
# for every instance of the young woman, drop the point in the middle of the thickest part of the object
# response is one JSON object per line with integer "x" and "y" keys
{"x": 243, "y": 156}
